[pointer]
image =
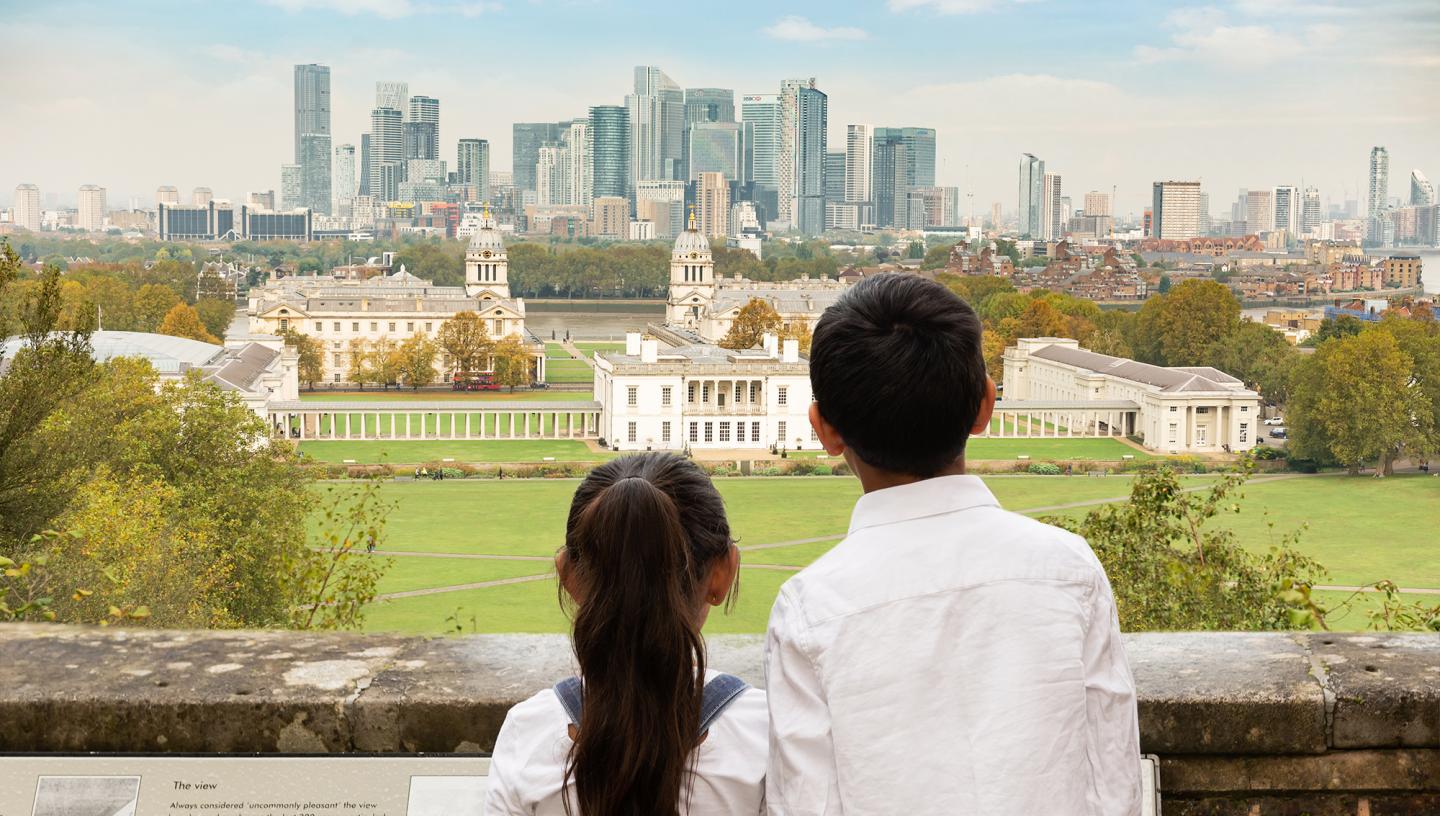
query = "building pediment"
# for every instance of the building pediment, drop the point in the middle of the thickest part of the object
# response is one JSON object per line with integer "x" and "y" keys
{"x": 689, "y": 296}
{"x": 286, "y": 310}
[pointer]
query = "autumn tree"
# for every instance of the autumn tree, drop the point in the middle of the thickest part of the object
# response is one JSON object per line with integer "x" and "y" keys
{"x": 512, "y": 362}
{"x": 992, "y": 346}
{"x": 183, "y": 321}
{"x": 152, "y": 303}
{"x": 310, "y": 365}
{"x": 756, "y": 319}
{"x": 216, "y": 314}
{"x": 357, "y": 358}
{"x": 1354, "y": 401}
{"x": 1259, "y": 356}
{"x": 465, "y": 342}
{"x": 382, "y": 363}
{"x": 417, "y": 360}
{"x": 1178, "y": 328}
{"x": 799, "y": 331}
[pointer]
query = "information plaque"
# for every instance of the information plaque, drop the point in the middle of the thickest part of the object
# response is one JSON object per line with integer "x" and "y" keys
{"x": 229, "y": 785}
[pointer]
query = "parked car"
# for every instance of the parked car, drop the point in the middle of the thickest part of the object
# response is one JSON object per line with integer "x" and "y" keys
{"x": 1278, "y": 433}
{"x": 535, "y": 385}
{"x": 1275, "y": 420}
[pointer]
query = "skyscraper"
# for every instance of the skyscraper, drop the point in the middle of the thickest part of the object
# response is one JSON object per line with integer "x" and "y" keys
{"x": 292, "y": 182}
{"x": 387, "y": 153}
{"x": 657, "y": 120}
{"x": 1259, "y": 210}
{"x": 1286, "y": 201}
{"x": 395, "y": 95}
{"x": 552, "y": 176}
{"x": 312, "y": 136}
{"x": 811, "y": 127}
{"x": 1379, "y": 181}
{"x": 857, "y": 164}
{"x": 1422, "y": 193}
{"x": 422, "y": 128}
{"x": 200, "y": 196}
{"x": 609, "y": 137}
{"x": 343, "y": 186}
{"x": 575, "y": 137}
{"x": 763, "y": 119}
{"x": 26, "y": 210}
{"x": 709, "y": 105}
{"x": 1032, "y": 194}
{"x": 90, "y": 209}
{"x": 167, "y": 194}
{"x": 835, "y": 177}
{"x": 1097, "y": 203}
{"x": 714, "y": 148}
{"x": 889, "y": 191}
{"x": 713, "y": 197}
{"x": 1052, "y": 225}
{"x": 472, "y": 166}
{"x": 312, "y": 102}
{"x": 364, "y": 164}
{"x": 919, "y": 152}
{"x": 1310, "y": 211}
{"x": 1175, "y": 210}
{"x": 527, "y": 139}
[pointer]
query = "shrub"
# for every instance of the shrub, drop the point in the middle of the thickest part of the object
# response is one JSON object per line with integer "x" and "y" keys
{"x": 1044, "y": 469}
{"x": 367, "y": 471}
{"x": 769, "y": 471}
{"x": 802, "y": 468}
{"x": 822, "y": 470}
{"x": 452, "y": 473}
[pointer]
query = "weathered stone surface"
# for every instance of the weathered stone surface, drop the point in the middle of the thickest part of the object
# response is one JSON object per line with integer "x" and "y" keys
{"x": 1226, "y": 692}
{"x": 73, "y": 689}
{"x": 1386, "y": 686}
{"x": 1312, "y": 804}
{"x": 1389, "y": 770}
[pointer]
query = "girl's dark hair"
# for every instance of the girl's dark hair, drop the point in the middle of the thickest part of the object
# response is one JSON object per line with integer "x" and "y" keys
{"x": 643, "y": 532}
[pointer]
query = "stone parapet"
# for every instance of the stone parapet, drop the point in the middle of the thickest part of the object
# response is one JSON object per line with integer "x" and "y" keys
{"x": 1290, "y": 723}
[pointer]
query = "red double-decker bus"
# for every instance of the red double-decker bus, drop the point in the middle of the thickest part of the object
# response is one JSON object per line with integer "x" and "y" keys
{"x": 477, "y": 381}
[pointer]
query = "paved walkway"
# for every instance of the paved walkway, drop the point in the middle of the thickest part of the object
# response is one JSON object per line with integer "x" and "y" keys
{"x": 569, "y": 345}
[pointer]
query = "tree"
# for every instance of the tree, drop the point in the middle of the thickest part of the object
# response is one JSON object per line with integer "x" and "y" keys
{"x": 512, "y": 362}
{"x": 441, "y": 263}
{"x": 1172, "y": 569}
{"x": 799, "y": 331}
{"x": 310, "y": 365}
{"x": 183, "y": 321}
{"x": 1178, "y": 328}
{"x": 465, "y": 342}
{"x": 417, "y": 360}
{"x": 937, "y": 257}
{"x": 1164, "y": 285}
{"x": 215, "y": 314}
{"x": 915, "y": 251}
{"x": 1257, "y": 355}
{"x": 1355, "y": 401}
{"x": 992, "y": 346}
{"x": 756, "y": 318}
{"x": 152, "y": 302}
{"x": 1332, "y": 327}
{"x": 358, "y": 359}
{"x": 383, "y": 363}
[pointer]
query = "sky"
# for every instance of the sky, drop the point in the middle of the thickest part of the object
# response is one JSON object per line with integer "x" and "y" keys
{"x": 1110, "y": 93}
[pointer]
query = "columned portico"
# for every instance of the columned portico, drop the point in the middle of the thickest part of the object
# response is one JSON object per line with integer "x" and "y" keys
{"x": 456, "y": 420}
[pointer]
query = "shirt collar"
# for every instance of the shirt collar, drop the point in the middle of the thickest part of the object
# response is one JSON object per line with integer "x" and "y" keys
{"x": 927, "y": 497}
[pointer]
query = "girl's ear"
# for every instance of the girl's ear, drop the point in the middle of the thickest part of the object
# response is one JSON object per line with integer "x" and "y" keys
{"x": 722, "y": 577}
{"x": 567, "y": 576}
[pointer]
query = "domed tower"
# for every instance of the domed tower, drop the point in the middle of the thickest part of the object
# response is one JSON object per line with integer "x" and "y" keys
{"x": 692, "y": 278}
{"x": 487, "y": 267}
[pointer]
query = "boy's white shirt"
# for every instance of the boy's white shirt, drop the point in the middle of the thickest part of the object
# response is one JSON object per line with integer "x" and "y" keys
{"x": 528, "y": 764}
{"x": 950, "y": 657}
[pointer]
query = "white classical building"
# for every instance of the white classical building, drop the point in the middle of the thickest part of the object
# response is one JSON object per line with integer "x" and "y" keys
{"x": 1195, "y": 409}
{"x": 344, "y": 313}
{"x": 700, "y": 302}
{"x": 704, "y": 396}
{"x": 260, "y": 370}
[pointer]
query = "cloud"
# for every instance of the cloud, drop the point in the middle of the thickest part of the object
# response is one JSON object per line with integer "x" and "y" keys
{"x": 794, "y": 28}
{"x": 1207, "y": 35}
{"x": 951, "y": 6}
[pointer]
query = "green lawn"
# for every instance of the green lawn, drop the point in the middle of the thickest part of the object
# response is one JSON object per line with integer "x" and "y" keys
{"x": 1101, "y": 450}
{"x": 568, "y": 370}
{"x": 1362, "y": 529}
{"x": 1355, "y": 619}
{"x": 404, "y": 574}
{"x": 463, "y": 450}
{"x": 400, "y": 395}
{"x": 591, "y": 346}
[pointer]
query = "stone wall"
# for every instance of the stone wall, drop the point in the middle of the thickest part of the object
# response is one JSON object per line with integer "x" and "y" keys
{"x": 1244, "y": 723}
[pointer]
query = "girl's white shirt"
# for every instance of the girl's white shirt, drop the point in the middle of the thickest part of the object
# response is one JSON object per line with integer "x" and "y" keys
{"x": 528, "y": 764}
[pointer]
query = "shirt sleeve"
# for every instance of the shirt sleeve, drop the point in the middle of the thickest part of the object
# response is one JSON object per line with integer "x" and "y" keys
{"x": 502, "y": 795}
{"x": 1110, "y": 709}
{"x": 800, "y": 780}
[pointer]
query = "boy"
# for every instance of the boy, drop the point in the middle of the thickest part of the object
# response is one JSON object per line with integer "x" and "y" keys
{"x": 947, "y": 656}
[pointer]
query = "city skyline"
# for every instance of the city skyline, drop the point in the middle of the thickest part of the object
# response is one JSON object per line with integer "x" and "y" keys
{"x": 1106, "y": 103}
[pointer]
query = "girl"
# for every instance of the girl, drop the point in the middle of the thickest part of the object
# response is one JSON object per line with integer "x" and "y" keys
{"x": 645, "y": 730}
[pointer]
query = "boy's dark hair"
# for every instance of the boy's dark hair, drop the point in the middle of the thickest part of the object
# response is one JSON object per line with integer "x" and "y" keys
{"x": 896, "y": 366}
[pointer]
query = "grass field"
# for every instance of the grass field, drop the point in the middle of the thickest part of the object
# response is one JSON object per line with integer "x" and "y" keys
{"x": 412, "y": 452}
{"x": 1362, "y": 529}
{"x": 568, "y": 370}
{"x": 523, "y": 395}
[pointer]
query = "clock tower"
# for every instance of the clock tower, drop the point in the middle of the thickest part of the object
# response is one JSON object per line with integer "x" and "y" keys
{"x": 692, "y": 279}
{"x": 487, "y": 267}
